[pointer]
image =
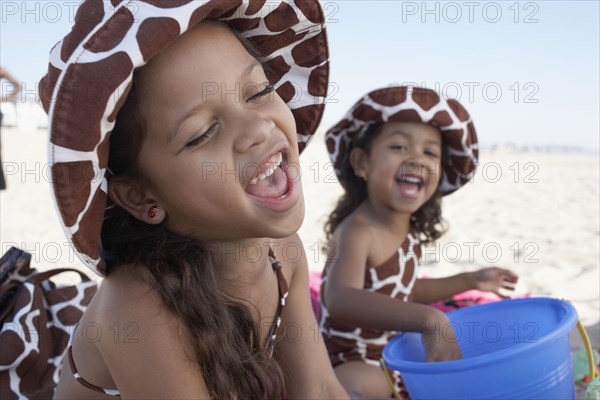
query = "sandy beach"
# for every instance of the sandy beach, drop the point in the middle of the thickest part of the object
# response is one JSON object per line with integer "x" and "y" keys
{"x": 534, "y": 212}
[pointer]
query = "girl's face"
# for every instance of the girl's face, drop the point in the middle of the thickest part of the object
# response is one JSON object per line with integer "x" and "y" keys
{"x": 403, "y": 166}
{"x": 219, "y": 151}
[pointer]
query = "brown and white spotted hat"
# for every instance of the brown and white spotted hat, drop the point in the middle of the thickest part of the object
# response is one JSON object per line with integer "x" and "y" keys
{"x": 91, "y": 69}
{"x": 411, "y": 104}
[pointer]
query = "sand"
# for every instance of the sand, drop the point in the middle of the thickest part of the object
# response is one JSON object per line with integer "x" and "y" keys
{"x": 534, "y": 212}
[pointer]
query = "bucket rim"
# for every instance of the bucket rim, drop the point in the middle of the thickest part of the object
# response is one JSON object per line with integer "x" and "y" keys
{"x": 564, "y": 327}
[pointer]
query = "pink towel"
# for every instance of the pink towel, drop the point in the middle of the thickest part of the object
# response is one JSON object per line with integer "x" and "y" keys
{"x": 314, "y": 283}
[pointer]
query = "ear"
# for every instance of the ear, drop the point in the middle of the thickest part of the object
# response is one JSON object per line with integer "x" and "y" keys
{"x": 358, "y": 159}
{"x": 131, "y": 196}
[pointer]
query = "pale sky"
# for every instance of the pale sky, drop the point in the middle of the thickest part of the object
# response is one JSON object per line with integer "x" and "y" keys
{"x": 528, "y": 72}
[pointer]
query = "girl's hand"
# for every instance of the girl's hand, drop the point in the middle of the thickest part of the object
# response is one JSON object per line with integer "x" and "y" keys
{"x": 440, "y": 341}
{"x": 493, "y": 279}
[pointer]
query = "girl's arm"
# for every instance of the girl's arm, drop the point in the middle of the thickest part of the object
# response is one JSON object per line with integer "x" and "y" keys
{"x": 428, "y": 291}
{"x": 300, "y": 348}
{"x": 347, "y": 301}
{"x": 492, "y": 280}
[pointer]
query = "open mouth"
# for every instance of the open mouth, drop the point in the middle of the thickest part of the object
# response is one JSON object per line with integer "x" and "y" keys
{"x": 275, "y": 185}
{"x": 270, "y": 180}
{"x": 268, "y": 169}
{"x": 410, "y": 186}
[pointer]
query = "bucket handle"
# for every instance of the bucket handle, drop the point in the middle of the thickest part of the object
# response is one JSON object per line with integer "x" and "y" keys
{"x": 588, "y": 350}
{"x": 584, "y": 336}
{"x": 388, "y": 378}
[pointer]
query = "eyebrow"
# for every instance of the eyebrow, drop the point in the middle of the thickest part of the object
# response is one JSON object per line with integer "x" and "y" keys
{"x": 247, "y": 71}
{"x": 408, "y": 136}
{"x": 400, "y": 133}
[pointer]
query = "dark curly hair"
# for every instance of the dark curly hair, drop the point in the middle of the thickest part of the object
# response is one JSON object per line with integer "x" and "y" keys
{"x": 427, "y": 221}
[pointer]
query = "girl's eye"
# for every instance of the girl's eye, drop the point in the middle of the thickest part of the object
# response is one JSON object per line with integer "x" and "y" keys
{"x": 432, "y": 153}
{"x": 398, "y": 147}
{"x": 203, "y": 137}
{"x": 268, "y": 89}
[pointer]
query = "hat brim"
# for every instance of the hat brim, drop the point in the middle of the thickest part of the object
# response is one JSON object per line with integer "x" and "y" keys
{"x": 91, "y": 69}
{"x": 411, "y": 104}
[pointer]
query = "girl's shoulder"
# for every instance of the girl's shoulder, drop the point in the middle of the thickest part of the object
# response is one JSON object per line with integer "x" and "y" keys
{"x": 126, "y": 325}
{"x": 356, "y": 227}
{"x": 124, "y": 296}
{"x": 353, "y": 239}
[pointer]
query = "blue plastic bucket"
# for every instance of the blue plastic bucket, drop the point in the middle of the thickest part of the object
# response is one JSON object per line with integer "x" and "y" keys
{"x": 512, "y": 349}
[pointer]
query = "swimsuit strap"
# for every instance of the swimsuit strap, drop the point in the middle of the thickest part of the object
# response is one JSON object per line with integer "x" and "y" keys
{"x": 283, "y": 293}
{"x": 80, "y": 379}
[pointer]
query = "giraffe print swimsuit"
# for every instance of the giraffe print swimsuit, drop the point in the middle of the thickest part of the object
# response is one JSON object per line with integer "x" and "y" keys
{"x": 394, "y": 278}
{"x": 269, "y": 341}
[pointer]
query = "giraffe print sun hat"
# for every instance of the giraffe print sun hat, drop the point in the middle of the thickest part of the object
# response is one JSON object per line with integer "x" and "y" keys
{"x": 411, "y": 104}
{"x": 91, "y": 69}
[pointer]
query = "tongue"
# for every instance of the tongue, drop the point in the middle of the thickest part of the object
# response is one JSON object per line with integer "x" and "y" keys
{"x": 273, "y": 187}
{"x": 410, "y": 190}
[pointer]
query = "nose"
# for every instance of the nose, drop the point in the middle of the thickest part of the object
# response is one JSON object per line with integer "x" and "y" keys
{"x": 253, "y": 128}
{"x": 413, "y": 166}
{"x": 419, "y": 161}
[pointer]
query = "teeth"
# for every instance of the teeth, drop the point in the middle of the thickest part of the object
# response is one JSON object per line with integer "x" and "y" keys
{"x": 411, "y": 179}
{"x": 273, "y": 163}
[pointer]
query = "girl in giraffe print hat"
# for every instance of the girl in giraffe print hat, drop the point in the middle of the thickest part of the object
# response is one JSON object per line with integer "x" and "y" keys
{"x": 396, "y": 153}
{"x": 174, "y": 147}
